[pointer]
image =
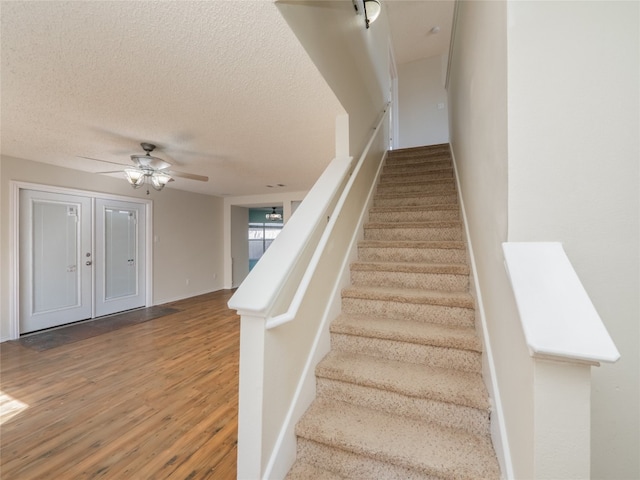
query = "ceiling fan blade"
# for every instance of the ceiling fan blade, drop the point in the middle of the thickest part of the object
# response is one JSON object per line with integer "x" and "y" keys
{"x": 190, "y": 176}
{"x": 105, "y": 161}
{"x": 106, "y": 173}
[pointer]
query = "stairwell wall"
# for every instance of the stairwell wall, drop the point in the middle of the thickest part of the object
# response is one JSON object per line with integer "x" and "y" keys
{"x": 478, "y": 129}
{"x": 353, "y": 60}
{"x": 544, "y": 126}
{"x": 574, "y": 177}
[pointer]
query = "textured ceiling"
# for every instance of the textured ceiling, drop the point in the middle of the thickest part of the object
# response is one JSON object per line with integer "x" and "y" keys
{"x": 223, "y": 87}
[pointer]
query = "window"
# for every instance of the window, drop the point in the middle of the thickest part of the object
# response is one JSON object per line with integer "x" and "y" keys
{"x": 261, "y": 235}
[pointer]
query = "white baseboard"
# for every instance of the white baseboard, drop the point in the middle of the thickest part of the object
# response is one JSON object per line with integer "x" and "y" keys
{"x": 184, "y": 297}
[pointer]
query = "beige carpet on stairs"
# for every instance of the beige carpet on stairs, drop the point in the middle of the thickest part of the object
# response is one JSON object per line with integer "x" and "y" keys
{"x": 400, "y": 395}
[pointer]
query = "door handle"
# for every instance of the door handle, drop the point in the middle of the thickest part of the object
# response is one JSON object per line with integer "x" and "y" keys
{"x": 88, "y": 263}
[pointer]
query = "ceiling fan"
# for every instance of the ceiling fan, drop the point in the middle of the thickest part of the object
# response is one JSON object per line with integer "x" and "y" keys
{"x": 153, "y": 170}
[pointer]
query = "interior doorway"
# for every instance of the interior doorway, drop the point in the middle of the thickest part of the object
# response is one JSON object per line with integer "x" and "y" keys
{"x": 80, "y": 256}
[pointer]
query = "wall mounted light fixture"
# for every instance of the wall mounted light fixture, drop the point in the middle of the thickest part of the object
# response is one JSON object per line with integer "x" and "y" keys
{"x": 371, "y": 10}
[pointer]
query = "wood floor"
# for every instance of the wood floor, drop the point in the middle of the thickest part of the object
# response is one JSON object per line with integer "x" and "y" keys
{"x": 155, "y": 400}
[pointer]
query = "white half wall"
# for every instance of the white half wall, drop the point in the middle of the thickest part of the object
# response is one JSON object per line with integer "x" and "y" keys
{"x": 574, "y": 178}
{"x": 422, "y": 103}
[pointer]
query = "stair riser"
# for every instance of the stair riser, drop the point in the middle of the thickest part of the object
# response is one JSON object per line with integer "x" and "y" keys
{"x": 413, "y": 234}
{"x": 352, "y": 465}
{"x": 445, "y": 413}
{"x": 395, "y": 254}
{"x": 441, "y": 315}
{"x": 416, "y": 168}
{"x": 444, "y": 174}
{"x": 414, "y": 216}
{"x": 425, "y": 281}
{"x": 416, "y": 187}
{"x": 433, "y": 356}
{"x": 464, "y": 360}
{"x": 415, "y": 201}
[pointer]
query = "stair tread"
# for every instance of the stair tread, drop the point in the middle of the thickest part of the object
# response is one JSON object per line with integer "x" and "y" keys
{"x": 401, "y": 172}
{"x": 410, "y": 379}
{"x": 437, "y": 244}
{"x": 418, "y": 161}
{"x": 412, "y": 267}
{"x": 441, "y": 193}
{"x": 405, "y": 330}
{"x": 302, "y": 470}
{"x": 414, "y": 181}
{"x": 406, "y": 295}
{"x": 422, "y": 224}
{"x": 414, "y": 208}
{"x": 427, "y": 447}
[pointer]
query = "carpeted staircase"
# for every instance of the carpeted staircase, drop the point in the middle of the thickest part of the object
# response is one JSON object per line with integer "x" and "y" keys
{"x": 400, "y": 395}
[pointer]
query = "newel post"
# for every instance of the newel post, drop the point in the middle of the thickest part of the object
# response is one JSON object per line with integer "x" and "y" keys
{"x": 250, "y": 397}
{"x": 566, "y": 338}
{"x": 562, "y": 419}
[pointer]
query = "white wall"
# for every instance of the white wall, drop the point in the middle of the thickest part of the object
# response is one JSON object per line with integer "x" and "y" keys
{"x": 478, "y": 128}
{"x": 420, "y": 91}
{"x": 544, "y": 127}
{"x": 353, "y": 60}
{"x": 239, "y": 244}
{"x": 188, "y": 227}
{"x": 574, "y": 177}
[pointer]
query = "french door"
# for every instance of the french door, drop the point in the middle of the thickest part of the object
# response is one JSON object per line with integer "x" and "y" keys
{"x": 79, "y": 258}
{"x": 55, "y": 259}
{"x": 119, "y": 259}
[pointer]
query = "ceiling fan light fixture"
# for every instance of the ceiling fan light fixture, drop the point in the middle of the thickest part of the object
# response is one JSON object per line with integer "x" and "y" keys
{"x": 135, "y": 177}
{"x": 274, "y": 216}
{"x": 160, "y": 179}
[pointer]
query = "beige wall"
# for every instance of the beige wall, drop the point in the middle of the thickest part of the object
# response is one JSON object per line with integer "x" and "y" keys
{"x": 187, "y": 230}
{"x": 478, "y": 129}
{"x": 353, "y": 60}
{"x": 420, "y": 90}
{"x": 239, "y": 244}
{"x": 574, "y": 178}
{"x": 544, "y": 107}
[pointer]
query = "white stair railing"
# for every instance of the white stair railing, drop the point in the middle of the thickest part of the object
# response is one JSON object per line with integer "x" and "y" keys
{"x": 295, "y": 287}
{"x": 566, "y": 337}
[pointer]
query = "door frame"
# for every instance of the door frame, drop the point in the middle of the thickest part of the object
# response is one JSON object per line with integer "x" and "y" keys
{"x": 14, "y": 242}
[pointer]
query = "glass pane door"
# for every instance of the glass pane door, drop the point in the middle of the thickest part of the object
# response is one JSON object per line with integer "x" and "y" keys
{"x": 55, "y": 259}
{"x": 120, "y": 253}
{"x": 120, "y": 256}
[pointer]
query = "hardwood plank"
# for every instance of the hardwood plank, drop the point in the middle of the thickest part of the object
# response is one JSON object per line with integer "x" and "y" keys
{"x": 157, "y": 399}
